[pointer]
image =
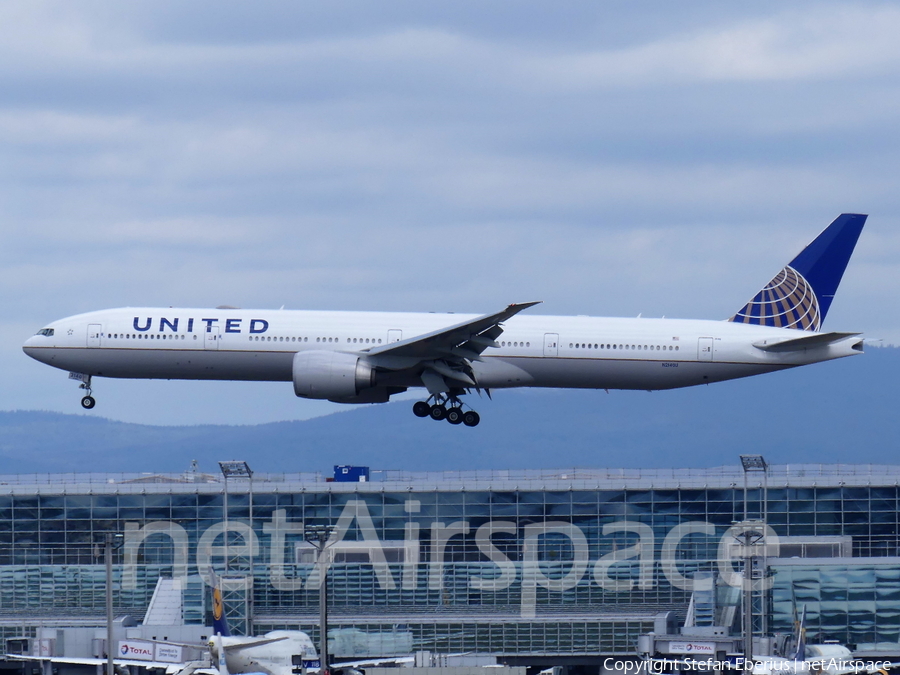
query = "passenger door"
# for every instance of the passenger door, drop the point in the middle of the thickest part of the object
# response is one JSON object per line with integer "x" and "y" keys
{"x": 551, "y": 344}
{"x": 211, "y": 338}
{"x": 705, "y": 349}
{"x": 93, "y": 334}
{"x": 394, "y": 335}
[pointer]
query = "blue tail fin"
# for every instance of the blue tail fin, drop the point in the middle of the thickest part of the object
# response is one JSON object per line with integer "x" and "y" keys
{"x": 220, "y": 623}
{"x": 799, "y": 296}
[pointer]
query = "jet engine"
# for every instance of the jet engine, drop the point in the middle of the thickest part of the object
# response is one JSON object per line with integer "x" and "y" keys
{"x": 331, "y": 375}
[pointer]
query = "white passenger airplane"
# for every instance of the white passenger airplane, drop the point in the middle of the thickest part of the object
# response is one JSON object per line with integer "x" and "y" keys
{"x": 818, "y": 659}
{"x": 806, "y": 659}
{"x": 278, "y": 652}
{"x": 121, "y": 664}
{"x": 281, "y": 652}
{"x": 366, "y": 357}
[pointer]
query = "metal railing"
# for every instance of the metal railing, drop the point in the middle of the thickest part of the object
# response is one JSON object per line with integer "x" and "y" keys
{"x": 581, "y": 478}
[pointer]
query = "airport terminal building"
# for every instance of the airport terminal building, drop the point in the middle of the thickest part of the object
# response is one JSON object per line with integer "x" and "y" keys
{"x": 570, "y": 565}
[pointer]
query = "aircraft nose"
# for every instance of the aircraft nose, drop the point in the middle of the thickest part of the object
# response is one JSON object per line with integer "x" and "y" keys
{"x": 29, "y": 344}
{"x": 33, "y": 347}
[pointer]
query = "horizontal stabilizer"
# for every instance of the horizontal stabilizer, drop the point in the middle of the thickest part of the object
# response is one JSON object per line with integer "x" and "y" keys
{"x": 801, "y": 343}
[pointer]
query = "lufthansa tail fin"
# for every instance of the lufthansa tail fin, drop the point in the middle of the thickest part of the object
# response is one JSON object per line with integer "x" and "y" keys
{"x": 799, "y": 296}
{"x": 220, "y": 623}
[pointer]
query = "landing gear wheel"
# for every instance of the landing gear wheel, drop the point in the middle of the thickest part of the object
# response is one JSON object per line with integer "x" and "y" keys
{"x": 438, "y": 412}
{"x": 421, "y": 409}
{"x": 455, "y": 415}
{"x": 471, "y": 418}
{"x": 88, "y": 402}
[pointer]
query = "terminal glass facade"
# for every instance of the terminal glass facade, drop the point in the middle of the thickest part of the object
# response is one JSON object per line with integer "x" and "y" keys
{"x": 852, "y": 601}
{"x": 566, "y": 562}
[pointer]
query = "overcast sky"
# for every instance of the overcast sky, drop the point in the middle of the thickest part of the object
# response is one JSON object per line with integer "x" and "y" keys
{"x": 608, "y": 158}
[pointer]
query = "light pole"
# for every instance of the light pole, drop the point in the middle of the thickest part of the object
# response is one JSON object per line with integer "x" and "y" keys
{"x": 111, "y": 541}
{"x": 318, "y": 535}
{"x": 754, "y": 535}
{"x": 235, "y": 468}
{"x": 239, "y": 469}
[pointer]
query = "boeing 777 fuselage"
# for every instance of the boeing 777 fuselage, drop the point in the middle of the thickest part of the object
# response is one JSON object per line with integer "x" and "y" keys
{"x": 366, "y": 357}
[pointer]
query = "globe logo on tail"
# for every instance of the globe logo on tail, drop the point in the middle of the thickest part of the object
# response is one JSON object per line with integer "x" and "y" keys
{"x": 788, "y": 301}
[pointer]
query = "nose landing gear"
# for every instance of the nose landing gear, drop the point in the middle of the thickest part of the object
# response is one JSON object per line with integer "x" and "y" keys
{"x": 439, "y": 410}
{"x": 87, "y": 401}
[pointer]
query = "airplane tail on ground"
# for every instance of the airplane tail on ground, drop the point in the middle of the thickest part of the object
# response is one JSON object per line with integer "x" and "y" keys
{"x": 800, "y": 654}
{"x": 220, "y": 623}
{"x": 799, "y": 296}
{"x": 222, "y": 662}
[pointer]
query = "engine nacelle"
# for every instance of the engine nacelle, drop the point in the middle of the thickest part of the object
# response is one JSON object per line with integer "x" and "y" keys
{"x": 321, "y": 374}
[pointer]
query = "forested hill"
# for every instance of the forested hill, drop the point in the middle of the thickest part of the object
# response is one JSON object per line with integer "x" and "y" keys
{"x": 844, "y": 411}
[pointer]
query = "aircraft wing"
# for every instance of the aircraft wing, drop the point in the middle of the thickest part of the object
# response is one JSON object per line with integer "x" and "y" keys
{"x": 467, "y": 339}
{"x": 192, "y": 668}
{"x": 866, "y": 666}
{"x": 237, "y": 646}
{"x": 384, "y": 661}
{"x": 801, "y": 343}
{"x": 372, "y": 663}
{"x": 448, "y": 352}
{"x": 94, "y": 661}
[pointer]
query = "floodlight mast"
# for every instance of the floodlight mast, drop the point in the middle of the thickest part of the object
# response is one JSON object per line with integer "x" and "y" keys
{"x": 318, "y": 536}
{"x": 111, "y": 541}
{"x": 754, "y": 534}
{"x": 236, "y": 468}
{"x": 751, "y": 462}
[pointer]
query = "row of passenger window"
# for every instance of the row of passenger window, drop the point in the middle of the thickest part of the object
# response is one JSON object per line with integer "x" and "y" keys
{"x": 588, "y": 345}
{"x": 252, "y": 338}
{"x": 146, "y": 336}
{"x": 270, "y": 338}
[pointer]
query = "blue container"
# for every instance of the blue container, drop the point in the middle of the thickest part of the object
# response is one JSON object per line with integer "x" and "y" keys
{"x": 351, "y": 474}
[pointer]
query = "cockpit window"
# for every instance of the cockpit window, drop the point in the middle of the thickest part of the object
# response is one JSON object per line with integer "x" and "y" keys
{"x": 45, "y": 331}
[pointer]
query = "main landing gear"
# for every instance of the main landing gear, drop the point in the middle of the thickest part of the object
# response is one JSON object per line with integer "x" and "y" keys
{"x": 439, "y": 410}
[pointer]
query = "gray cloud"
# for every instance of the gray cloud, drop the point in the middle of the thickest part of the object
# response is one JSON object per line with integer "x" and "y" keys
{"x": 607, "y": 159}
